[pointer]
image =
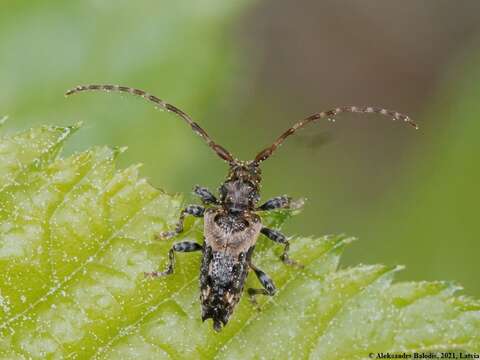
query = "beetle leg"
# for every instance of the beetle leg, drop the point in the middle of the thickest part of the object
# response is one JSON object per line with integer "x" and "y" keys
{"x": 278, "y": 237}
{"x": 278, "y": 202}
{"x": 205, "y": 195}
{"x": 195, "y": 210}
{"x": 184, "y": 246}
{"x": 267, "y": 283}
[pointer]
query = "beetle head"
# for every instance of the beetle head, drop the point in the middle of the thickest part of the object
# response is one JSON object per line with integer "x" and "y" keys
{"x": 247, "y": 171}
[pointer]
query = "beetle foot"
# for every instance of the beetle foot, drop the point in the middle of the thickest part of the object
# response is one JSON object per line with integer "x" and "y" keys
{"x": 287, "y": 261}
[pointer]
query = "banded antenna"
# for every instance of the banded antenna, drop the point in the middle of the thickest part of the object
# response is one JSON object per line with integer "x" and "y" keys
{"x": 330, "y": 114}
{"x": 219, "y": 150}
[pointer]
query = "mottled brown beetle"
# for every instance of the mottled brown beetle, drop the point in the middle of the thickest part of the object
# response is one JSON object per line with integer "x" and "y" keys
{"x": 231, "y": 223}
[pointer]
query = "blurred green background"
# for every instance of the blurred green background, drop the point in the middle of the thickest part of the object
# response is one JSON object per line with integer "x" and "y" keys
{"x": 246, "y": 71}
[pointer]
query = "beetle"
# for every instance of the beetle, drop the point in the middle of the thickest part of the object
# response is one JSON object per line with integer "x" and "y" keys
{"x": 231, "y": 222}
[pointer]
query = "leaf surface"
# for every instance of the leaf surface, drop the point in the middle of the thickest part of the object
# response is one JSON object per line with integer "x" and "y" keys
{"x": 77, "y": 235}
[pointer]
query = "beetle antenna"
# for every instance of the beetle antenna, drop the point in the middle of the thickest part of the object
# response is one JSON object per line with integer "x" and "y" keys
{"x": 330, "y": 114}
{"x": 219, "y": 150}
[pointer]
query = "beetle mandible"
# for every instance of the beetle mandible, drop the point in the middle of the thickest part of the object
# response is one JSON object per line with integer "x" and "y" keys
{"x": 231, "y": 223}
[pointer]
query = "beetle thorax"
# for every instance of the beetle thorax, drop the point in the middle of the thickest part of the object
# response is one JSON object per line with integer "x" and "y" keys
{"x": 238, "y": 196}
{"x": 240, "y": 192}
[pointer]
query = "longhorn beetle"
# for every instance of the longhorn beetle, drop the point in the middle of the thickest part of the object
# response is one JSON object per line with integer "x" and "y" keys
{"x": 231, "y": 222}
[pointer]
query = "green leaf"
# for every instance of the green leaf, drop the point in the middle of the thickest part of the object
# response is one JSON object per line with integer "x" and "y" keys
{"x": 77, "y": 235}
